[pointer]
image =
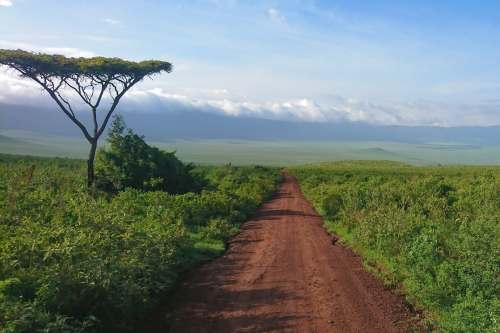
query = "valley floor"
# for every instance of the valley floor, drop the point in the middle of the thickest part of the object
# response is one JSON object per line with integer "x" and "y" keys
{"x": 283, "y": 273}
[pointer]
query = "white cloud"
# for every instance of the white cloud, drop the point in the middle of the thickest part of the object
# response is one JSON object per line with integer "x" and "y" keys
{"x": 308, "y": 110}
{"x": 6, "y": 3}
{"x": 15, "y": 90}
{"x": 275, "y": 15}
{"x": 111, "y": 21}
{"x": 67, "y": 51}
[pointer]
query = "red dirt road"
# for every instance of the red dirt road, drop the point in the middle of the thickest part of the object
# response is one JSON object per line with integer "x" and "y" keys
{"x": 283, "y": 274}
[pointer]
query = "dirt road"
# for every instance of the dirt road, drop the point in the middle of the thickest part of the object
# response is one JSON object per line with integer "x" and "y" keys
{"x": 283, "y": 274}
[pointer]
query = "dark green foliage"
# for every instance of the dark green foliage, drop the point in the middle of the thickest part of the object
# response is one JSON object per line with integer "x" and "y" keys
{"x": 58, "y": 65}
{"x": 435, "y": 230}
{"x": 128, "y": 161}
{"x": 71, "y": 262}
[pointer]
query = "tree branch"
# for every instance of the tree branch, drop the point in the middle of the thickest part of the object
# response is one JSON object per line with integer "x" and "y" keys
{"x": 115, "y": 104}
{"x": 80, "y": 92}
{"x": 103, "y": 89}
{"x": 65, "y": 102}
{"x": 60, "y": 104}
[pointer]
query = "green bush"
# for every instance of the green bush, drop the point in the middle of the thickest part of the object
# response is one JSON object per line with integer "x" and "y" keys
{"x": 128, "y": 161}
{"x": 218, "y": 229}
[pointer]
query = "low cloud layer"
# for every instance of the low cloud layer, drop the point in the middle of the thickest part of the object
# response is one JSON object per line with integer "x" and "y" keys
{"x": 332, "y": 109}
{"x": 14, "y": 90}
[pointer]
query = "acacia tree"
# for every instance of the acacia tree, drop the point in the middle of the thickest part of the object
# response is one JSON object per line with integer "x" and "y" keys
{"x": 93, "y": 80}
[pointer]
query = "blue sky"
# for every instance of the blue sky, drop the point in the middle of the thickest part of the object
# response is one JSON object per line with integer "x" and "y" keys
{"x": 392, "y": 62}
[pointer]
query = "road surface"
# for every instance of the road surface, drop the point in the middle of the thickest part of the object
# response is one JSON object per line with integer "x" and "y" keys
{"x": 283, "y": 273}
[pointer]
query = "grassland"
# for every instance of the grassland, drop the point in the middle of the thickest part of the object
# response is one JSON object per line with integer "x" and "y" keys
{"x": 434, "y": 231}
{"x": 274, "y": 153}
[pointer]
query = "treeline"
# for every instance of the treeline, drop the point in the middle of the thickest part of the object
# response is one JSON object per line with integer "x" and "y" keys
{"x": 435, "y": 231}
{"x": 75, "y": 261}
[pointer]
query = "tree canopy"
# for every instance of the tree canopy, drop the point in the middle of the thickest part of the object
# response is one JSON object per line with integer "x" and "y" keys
{"x": 30, "y": 64}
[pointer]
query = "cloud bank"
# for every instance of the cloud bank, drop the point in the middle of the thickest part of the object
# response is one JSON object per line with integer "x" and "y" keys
{"x": 334, "y": 109}
{"x": 14, "y": 90}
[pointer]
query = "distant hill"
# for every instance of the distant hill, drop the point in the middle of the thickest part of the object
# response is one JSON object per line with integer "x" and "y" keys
{"x": 6, "y": 139}
{"x": 15, "y": 146}
{"x": 165, "y": 125}
{"x": 22, "y": 142}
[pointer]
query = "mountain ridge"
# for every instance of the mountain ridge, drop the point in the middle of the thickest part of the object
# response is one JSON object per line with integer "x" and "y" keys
{"x": 168, "y": 124}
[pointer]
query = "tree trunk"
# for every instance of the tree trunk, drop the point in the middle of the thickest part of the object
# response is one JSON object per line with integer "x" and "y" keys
{"x": 90, "y": 164}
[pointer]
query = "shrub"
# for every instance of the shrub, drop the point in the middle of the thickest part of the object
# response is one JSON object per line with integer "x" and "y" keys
{"x": 129, "y": 161}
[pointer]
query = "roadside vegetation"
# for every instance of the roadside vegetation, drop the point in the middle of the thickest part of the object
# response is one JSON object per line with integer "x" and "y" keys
{"x": 432, "y": 230}
{"x": 74, "y": 260}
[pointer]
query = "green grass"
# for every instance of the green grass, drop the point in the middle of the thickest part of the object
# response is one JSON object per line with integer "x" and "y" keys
{"x": 274, "y": 153}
